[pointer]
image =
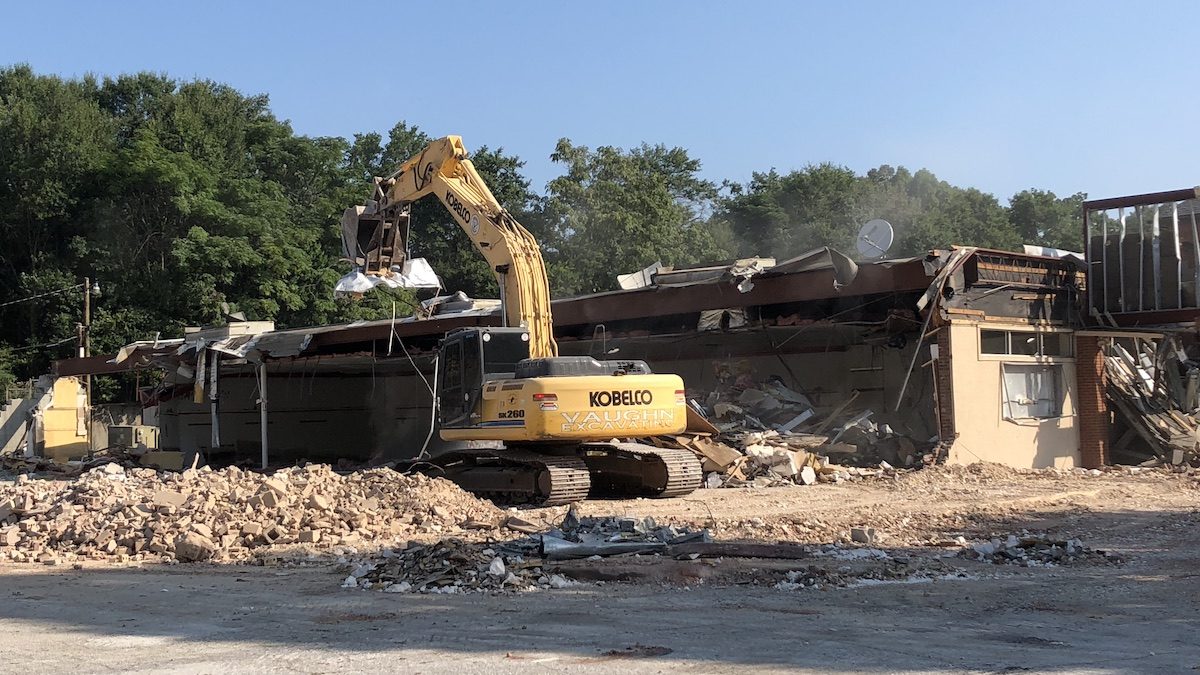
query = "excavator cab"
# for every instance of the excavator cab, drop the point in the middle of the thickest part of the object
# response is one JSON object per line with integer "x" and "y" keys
{"x": 470, "y": 357}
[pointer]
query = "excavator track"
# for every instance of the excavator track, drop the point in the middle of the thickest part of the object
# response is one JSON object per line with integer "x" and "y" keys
{"x": 637, "y": 470}
{"x": 683, "y": 471}
{"x": 565, "y": 477}
{"x": 514, "y": 475}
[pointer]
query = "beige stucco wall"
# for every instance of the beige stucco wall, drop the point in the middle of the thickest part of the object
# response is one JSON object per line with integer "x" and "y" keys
{"x": 983, "y": 433}
{"x": 64, "y": 431}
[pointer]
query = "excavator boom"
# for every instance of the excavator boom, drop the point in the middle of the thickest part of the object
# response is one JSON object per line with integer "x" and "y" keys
{"x": 442, "y": 169}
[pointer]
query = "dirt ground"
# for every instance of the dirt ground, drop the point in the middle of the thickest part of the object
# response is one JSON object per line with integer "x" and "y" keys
{"x": 655, "y": 615}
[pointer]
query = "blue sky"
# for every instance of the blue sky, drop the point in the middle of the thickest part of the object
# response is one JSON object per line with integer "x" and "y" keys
{"x": 1097, "y": 97}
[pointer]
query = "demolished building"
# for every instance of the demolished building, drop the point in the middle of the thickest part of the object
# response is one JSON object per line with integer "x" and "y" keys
{"x": 967, "y": 353}
{"x": 1140, "y": 351}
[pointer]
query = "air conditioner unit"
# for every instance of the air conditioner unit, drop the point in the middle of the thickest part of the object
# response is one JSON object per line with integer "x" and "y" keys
{"x": 133, "y": 436}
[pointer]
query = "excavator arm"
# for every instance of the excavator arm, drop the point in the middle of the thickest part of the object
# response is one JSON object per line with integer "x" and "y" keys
{"x": 442, "y": 169}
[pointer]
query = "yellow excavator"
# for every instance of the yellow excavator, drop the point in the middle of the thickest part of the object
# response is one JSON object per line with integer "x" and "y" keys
{"x": 557, "y": 417}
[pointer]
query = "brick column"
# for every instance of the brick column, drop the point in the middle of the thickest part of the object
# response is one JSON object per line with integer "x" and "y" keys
{"x": 945, "y": 386}
{"x": 1091, "y": 408}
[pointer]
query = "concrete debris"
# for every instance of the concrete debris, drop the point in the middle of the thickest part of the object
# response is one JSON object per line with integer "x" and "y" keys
{"x": 771, "y": 458}
{"x": 585, "y": 537}
{"x": 121, "y": 456}
{"x": 496, "y": 568}
{"x": 458, "y": 566}
{"x": 559, "y": 581}
{"x": 862, "y": 535}
{"x": 119, "y": 514}
{"x": 454, "y": 566}
{"x": 524, "y": 526}
{"x": 865, "y": 567}
{"x": 194, "y": 547}
{"x": 764, "y": 433}
{"x": 808, "y": 476}
{"x": 1033, "y": 550}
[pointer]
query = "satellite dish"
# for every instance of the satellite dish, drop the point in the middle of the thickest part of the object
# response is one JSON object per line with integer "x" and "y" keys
{"x": 875, "y": 238}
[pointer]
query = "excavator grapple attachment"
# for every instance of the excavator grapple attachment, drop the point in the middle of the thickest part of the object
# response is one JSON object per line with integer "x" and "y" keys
{"x": 371, "y": 242}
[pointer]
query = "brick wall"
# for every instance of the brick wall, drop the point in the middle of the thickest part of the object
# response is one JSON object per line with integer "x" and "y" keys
{"x": 1094, "y": 419}
{"x": 945, "y": 386}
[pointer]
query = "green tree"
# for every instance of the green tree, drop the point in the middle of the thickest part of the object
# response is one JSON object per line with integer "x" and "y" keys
{"x": 825, "y": 205}
{"x": 53, "y": 139}
{"x": 178, "y": 197}
{"x": 616, "y": 211}
{"x": 1042, "y": 218}
{"x": 785, "y": 215}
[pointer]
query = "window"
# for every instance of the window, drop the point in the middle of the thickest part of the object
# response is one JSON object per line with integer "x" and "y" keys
{"x": 503, "y": 350}
{"x": 451, "y": 404}
{"x": 452, "y": 370}
{"x": 472, "y": 362}
{"x": 1025, "y": 343}
{"x": 1032, "y": 391}
{"x": 1057, "y": 344}
{"x": 993, "y": 341}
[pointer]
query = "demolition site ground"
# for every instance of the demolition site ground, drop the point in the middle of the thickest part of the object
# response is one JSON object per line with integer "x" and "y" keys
{"x": 947, "y": 569}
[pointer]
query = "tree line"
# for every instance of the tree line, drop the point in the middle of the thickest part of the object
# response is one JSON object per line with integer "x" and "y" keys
{"x": 185, "y": 199}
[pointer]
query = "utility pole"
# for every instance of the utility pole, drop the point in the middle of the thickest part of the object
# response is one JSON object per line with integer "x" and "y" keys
{"x": 85, "y": 350}
{"x": 87, "y": 316}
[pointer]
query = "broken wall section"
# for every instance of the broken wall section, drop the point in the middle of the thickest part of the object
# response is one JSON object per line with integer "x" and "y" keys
{"x": 1005, "y": 323}
{"x": 843, "y": 382}
{"x": 326, "y": 411}
{"x": 58, "y": 426}
{"x": 822, "y": 395}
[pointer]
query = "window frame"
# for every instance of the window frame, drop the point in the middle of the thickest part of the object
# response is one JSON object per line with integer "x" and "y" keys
{"x": 1023, "y": 358}
{"x": 1059, "y": 395}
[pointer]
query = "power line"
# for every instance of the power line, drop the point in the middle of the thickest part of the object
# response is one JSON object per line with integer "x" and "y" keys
{"x": 48, "y": 344}
{"x": 40, "y": 295}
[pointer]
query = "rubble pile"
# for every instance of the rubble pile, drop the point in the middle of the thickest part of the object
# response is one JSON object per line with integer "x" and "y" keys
{"x": 455, "y": 566}
{"x": 1154, "y": 388}
{"x": 18, "y": 463}
{"x": 771, "y": 458}
{"x": 1033, "y": 550}
{"x": 763, "y": 433}
{"x": 120, "y": 514}
{"x": 524, "y": 564}
{"x": 847, "y": 566}
{"x": 888, "y": 572}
